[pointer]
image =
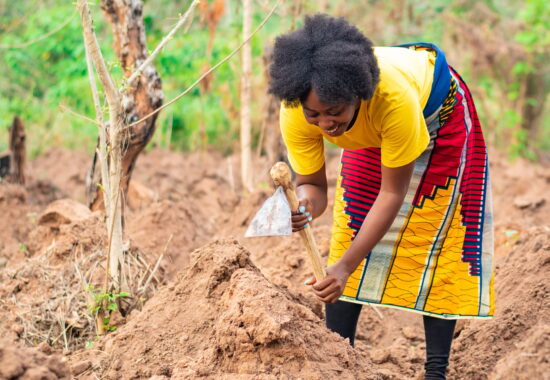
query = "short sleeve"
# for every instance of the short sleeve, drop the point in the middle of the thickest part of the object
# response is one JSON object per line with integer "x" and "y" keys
{"x": 305, "y": 146}
{"x": 404, "y": 132}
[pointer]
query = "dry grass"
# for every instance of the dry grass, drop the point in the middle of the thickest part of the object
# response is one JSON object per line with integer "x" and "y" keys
{"x": 56, "y": 308}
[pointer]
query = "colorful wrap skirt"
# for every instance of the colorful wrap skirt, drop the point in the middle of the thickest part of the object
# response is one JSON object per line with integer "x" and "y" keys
{"x": 437, "y": 257}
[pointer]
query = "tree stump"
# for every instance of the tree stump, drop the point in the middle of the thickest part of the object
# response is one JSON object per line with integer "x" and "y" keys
{"x": 17, "y": 150}
{"x": 12, "y": 162}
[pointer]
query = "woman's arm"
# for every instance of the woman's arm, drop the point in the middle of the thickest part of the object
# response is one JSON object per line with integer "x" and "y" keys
{"x": 395, "y": 182}
{"x": 311, "y": 191}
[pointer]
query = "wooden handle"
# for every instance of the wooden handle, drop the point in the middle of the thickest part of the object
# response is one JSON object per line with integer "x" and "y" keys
{"x": 280, "y": 173}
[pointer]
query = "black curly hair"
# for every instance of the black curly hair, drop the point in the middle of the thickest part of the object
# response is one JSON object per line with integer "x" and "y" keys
{"x": 328, "y": 55}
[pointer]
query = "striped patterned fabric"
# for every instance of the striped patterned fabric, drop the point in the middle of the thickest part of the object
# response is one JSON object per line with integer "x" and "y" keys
{"x": 436, "y": 258}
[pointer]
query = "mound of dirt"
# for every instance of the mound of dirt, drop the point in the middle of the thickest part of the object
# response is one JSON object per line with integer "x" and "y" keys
{"x": 520, "y": 199}
{"x": 17, "y": 362}
{"x": 48, "y": 291}
{"x": 530, "y": 358}
{"x": 195, "y": 198}
{"x": 64, "y": 211}
{"x": 222, "y": 319}
{"x": 59, "y": 172}
{"x": 15, "y": 222}
{"x": 44, "y": 294}
{"x": 176, "y": 227}
{"x": 514, "y": 339}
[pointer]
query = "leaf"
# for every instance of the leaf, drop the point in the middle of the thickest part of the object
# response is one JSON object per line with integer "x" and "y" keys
{"x": 522, "y": 67}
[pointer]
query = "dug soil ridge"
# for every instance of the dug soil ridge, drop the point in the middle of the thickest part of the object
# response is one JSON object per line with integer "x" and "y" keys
{"x": 222, "y": 319}
{"x": 516, "y": 340}
{"x": 18, "y": 362}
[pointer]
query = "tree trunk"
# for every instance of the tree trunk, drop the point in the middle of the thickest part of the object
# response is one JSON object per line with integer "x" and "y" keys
{"x": 115, "y": 279}
{"x": 125, "y": 18}
{"x": 533, "y": 106}
{"x": 246, "y": 155}
{"x": 274, "y": 146}
{"x": 17, "y": 151}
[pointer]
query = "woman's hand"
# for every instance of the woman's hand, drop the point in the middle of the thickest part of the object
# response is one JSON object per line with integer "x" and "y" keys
{"x": 311, "y": 190}
{"x": 331, "y": 287}
{"x": 302, "y": 216}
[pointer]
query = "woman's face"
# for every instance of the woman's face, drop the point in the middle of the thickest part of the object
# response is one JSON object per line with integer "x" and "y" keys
{"x": 332, "y": 119}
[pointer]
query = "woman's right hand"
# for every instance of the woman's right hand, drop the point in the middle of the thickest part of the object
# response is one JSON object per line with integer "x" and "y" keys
{"x": 302, "y": 216}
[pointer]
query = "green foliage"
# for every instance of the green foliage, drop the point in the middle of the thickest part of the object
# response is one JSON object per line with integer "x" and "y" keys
{"x": 536, "y": 17}
{"x": 23, "y": 248}
{"x": 40, "y": 77}
{"x": 104, "y": 304}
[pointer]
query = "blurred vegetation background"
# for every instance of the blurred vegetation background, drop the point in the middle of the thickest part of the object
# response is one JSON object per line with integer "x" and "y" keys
{"x": 500, "y": 47}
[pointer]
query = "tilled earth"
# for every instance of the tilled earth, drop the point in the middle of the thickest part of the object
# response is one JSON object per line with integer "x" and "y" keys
{"x": 225, "y": 307}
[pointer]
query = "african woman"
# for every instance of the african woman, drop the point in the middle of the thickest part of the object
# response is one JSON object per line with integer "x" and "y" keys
{"x": 412, "y": 220}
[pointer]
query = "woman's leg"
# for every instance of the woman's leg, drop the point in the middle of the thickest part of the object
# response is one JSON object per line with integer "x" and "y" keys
{"x": 342, "y": 318}
{"x": 439, "y": 336}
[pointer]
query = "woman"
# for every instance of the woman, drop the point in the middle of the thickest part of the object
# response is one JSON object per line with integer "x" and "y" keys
{"x": 412, "y": 213}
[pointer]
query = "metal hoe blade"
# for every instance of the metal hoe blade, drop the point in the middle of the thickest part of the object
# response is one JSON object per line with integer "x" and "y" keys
{"x": 273, "y": 218}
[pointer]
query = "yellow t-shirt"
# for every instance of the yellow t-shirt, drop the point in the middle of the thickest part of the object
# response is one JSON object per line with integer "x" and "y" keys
{"x": 391, "y": 120}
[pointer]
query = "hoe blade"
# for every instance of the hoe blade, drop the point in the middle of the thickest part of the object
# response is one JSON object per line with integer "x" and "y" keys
{"x": 273, "y": 218}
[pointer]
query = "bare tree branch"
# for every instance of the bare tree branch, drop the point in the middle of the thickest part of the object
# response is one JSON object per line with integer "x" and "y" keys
{"x": 209, "y": 71}
{"x": 162, "y": 43}
{"x": 95, "y": 95}
{"x": 38, "y": 39}
{"x": 246, "y": 67}
{"x": 91, "y": 44}
{"x": 14, "y": 24}
{"x": 102, "y": 150}
{"x": 115, "y": 250}
{"x": 64, "y": 108}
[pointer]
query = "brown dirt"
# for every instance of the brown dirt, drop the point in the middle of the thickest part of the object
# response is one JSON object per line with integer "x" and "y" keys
{"x": 17, "y": 362}
{"x": 221, "y": 319}
{"x": 234, "y": 312}
{"x": 513, "y": 338}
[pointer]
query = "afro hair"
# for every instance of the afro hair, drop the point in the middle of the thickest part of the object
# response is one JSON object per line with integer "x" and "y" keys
{"x": 328, "y": 55}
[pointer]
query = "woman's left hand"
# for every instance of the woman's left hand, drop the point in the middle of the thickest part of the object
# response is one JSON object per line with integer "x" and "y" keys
{"x": 332, "y": 286}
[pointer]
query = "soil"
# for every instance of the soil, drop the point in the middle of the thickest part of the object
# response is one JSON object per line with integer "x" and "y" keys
{"x": 18, "y": 362}
{"x": 226, "y": 307}
{"x": 221, "y": 318}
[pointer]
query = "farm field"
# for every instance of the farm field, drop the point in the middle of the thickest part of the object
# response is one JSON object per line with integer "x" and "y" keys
{"x": 227, "y": 307}
{"x": 138, "y": 141}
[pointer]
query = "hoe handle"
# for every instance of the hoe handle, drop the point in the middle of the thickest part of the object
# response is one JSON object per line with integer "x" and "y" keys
{"x": 280, "y": 173}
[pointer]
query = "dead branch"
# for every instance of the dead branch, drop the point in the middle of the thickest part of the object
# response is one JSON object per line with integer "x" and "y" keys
{"x": 246, "y": 65}
{"x": 41, "y": 38}
{"x": 162, "y": 43}
{"x": 115, "y": 249}
{"x": 206, "y": 73}
{"x": 14, "y": 24}
{"x": 91, "y": 44}
{"x": 64, "y": 108}
{"x": 102, "y": 148}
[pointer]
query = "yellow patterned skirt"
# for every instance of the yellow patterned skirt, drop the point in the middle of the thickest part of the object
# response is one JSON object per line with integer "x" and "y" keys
{"x": 436, "y": 258}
